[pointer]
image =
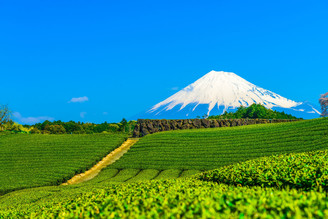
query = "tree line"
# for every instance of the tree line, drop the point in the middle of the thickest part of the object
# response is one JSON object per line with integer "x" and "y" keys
{"x": 60, "y": 127}
{"x": 72, "y": 127}
{"x": 254, "y": 111}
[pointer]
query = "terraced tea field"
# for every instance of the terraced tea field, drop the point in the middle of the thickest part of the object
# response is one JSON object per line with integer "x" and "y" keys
{"x": 137, "y": 175}
{"x": 205, "y": 149}
{"x": 39, "y": 160}
{"x": 201, "y": 196}
{"x": 151, "y": 180}
{"x": 177, "y": 154}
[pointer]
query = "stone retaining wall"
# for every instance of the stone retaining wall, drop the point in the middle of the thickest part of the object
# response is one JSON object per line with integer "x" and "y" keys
{"x": 149, "y": 126}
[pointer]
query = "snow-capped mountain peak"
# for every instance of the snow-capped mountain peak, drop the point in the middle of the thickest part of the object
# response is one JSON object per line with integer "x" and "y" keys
{"x": 224, "y": 89}
{"x": 217, "y": 92}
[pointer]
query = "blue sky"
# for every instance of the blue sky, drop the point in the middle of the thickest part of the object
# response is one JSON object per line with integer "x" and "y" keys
{"x": 118, "y": 58}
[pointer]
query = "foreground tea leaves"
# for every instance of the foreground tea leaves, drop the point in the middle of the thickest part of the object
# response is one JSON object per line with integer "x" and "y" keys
{"x": 306, "y": 171}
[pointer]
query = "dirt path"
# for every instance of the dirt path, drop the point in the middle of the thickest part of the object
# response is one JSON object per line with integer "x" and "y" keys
{"x": 109, "y": 159}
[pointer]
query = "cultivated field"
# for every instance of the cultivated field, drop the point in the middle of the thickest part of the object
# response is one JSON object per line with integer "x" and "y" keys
{"x": 136, "y": 175}
{"x": 40, "y": 160}
{"x": 176, "y": 154}
{"x": 260, "y": 171}
{"x": 205, "y": 149}
{"x": 208, "y": 195}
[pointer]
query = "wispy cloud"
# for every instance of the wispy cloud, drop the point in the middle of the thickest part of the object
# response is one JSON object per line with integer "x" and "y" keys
{"x": 78, "y": 99}
{"x": 82, "y": 114}
{"x": 31, "y": 120}
{"x": 175, "y": 88}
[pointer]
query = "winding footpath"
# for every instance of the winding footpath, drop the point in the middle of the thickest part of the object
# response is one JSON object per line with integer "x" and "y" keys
{"x": 109, "y": 159}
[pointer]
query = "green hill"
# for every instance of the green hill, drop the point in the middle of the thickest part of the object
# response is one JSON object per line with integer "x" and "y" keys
{"x": 202, "y": 196}
{"x": 40, "y": 160}
{"x": 286, "y": 184}
{"x": 177, "y": 154}
{"x": 205, "y": 149}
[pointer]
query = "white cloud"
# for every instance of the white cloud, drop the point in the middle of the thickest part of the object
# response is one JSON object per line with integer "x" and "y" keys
{"x": 78, "y": 99}
{"x": 31, "y": 120}
{"x": 175, "y": 88}
{"x": 82, "y": 114}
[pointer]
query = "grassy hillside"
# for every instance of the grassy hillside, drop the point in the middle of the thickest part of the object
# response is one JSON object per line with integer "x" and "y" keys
{"x": 205, "y": 149}
{"x": 202, "y": 196}
{"x": 279, "y": 186}
{"x": 39, "y": 160}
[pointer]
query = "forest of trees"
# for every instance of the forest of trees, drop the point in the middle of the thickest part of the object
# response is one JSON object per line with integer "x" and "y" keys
{"x": 255, "y": 111}
{"x": 59, "y": 127}
{"x": 71, "y": 127}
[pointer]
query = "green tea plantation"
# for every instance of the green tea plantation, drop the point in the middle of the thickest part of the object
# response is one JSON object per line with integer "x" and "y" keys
{"x": 256, "y": 171}
{"x": 39, "y": 160}
{"x": 205, "y": 149}
{"x": 200, "y": 196}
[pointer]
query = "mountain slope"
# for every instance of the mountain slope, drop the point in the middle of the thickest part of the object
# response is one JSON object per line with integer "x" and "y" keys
{"x": 217, "y": 92}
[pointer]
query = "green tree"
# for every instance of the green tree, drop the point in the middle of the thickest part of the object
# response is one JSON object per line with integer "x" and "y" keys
{"x": 123, "y": 124}
{"x": 56, "y": 129}
{"x": 113, "y": 127}
{"x": 35, "y": 130}
{"x": 5, "y": 114}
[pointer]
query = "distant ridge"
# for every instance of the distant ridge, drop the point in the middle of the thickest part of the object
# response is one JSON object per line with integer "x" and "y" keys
{"x": 219, "y": 91}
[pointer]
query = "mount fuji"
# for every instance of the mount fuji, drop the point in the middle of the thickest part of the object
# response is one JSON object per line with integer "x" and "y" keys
{"x": 217, "y": 92}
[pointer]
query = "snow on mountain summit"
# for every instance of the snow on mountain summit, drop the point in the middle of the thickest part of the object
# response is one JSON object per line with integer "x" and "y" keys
{"x": 217, "y": 92}
{"x": 227, "y": 89}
